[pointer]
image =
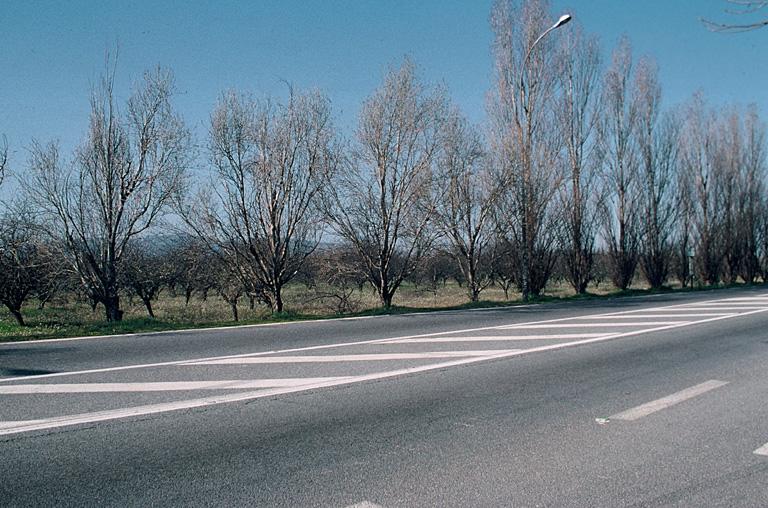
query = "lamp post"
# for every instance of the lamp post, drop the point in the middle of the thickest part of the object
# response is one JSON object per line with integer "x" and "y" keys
{"x": 526, "y": 145}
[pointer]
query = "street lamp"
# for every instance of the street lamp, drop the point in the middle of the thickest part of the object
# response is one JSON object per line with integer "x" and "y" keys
{"x": 525, "y": 225}
{"x": 565, "y": 18}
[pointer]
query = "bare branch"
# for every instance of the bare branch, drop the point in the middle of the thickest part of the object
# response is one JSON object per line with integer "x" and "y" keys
{"x": 746, "y": 7}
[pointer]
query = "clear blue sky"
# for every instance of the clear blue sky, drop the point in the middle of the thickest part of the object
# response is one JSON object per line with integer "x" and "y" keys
{"x": 51, "y": 52}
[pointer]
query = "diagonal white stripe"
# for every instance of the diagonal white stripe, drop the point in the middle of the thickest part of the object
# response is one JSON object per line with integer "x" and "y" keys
{"x": 63, "y": 421}
{"x": 723, "y": 307}
{"x": 500, "y": 338}
{"x": 649, "y": 316}
{"x": 351, "y": 358}
{"x": 162, "y": 386}
{"x": 592, "y": 325}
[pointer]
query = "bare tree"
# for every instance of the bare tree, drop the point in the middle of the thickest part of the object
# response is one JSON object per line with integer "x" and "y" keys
{"x": 728, "y": 165}
{"x": 699, "y": 148}
{"x": 579, "y": 114}
{"x": 743, "y": 8}
{"x": 260, "y": 215}
{"x": 146, "y": 269}
{"x": 657, "y": 143}
{"x": 3, "y": 158}
{"x": 619, "y": 210}
{"x": 524, "y": 136}
{"x": 751, "y": 203}
{"x": 191, "y": 267}
{"x": 337, "y": 277}
{"x": 467, "y": 192}
{"x": 740, "y": 176}
{"x": 381, "y": 202}
{"x": 228, "y": 285}
{"x": 682, "y": 234}
{"x": 23, "y": 260}
{"x": 120, "y": 182}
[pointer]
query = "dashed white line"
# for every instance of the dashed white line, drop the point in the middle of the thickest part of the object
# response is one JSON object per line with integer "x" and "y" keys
{"x": 763, "y": 450}
{"x": 668, "y": 401}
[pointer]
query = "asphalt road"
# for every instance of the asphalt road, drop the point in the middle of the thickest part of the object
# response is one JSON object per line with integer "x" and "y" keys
{"x": 655, "y": 401}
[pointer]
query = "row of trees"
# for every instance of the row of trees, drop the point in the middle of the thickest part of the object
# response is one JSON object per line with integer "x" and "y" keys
{"x": 577, "y": 159}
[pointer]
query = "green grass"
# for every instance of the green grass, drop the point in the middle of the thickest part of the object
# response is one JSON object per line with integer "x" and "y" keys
{"x": 73, "y": 319}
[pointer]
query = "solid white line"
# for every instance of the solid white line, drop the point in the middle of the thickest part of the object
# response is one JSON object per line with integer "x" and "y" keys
{"x": 763, "y": 450}
{"x": 668, "y": 401}
{"x": 485, "y": 338}
{"x": 590, "y": 325}
{"x": 237, "y": 384}
{"x": 351, "y": 358}
{"x": 27, "y": 426}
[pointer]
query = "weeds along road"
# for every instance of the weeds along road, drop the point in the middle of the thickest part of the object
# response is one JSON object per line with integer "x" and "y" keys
{"x": 633, "y": 401}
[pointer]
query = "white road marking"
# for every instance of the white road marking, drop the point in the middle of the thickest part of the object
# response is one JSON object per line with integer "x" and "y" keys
{"x": 676, "y": 307}
{"x": 63, "y": 421}
{"x": 591, "y": 325}
{"x": 763, "y": 450}
{"x": 364, "y": 504}
{"x": 649, "y": 316}
{"x": 352, "y": 357}
{"x": 260, "y": 325}
{"x": 500, "y": 338}
{"x": 668, "y": 401}
{"x": 237, "y": 384}
{"x": 730, "y": 307}
{"x": 727, "y": 305}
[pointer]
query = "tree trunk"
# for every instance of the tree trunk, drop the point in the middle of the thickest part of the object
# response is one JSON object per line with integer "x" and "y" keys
{"x": 386, "y": 298}
{"x": 187, "y": 296}
{"x": 112, "y": 308}
{"x": 148, "y": 305}
{"x": 277, "y": 305}
{"x": 16, "y": 313}
{"x": 233, "y": 306}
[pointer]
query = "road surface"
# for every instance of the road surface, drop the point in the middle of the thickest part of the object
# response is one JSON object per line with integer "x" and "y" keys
{"x": 648, "y": 401}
